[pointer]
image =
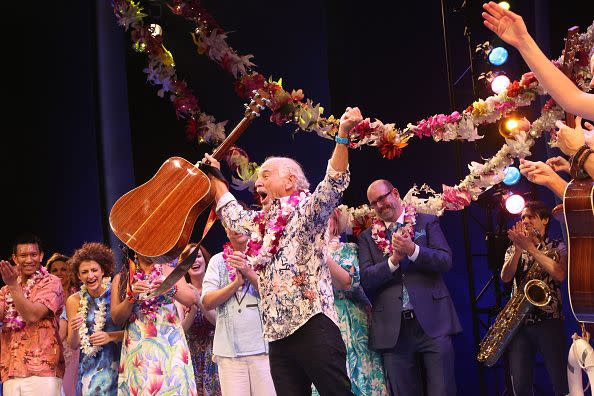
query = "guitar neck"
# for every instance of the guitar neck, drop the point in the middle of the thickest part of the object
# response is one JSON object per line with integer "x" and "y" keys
{"x": 231, "y": 138}
{"x": 568, "y": 61}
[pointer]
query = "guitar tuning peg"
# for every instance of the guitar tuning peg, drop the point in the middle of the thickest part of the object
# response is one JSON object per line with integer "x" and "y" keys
{"x": 260, "y": 107}
{"x": 255, "y": 114}
{"x": 247, "y": 106}
{"x": 266, "y": 101}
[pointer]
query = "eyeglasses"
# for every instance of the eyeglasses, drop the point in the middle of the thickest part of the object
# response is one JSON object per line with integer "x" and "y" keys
{"x": 381, "y": 198}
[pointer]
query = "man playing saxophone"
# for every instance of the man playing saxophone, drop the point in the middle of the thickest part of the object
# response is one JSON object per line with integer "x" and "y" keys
{"x": 542, "y": 328}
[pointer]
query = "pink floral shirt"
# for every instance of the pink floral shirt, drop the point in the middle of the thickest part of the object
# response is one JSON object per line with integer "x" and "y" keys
{"x": 296, "y": 284}
{"x": 36, "y": 349}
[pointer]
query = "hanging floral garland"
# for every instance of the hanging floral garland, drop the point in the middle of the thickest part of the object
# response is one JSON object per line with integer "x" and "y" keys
{"x": 160, "y": 72}
{"x": 210, "y": 39}
{"x": 290, "y": 107}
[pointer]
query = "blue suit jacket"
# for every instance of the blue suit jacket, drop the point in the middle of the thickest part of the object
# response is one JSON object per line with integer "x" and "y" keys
{"x": 428, "y": 293}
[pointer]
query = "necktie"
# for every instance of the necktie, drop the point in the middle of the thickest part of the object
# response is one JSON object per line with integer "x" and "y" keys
{"x": 405, "y": 297}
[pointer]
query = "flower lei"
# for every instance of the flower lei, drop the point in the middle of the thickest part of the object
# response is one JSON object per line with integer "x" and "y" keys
{"x": 378, "y": 230}
{"x": 263, "y": 243}
{"x": 100, "y": 318}
{"x": 14, "y": 321}
{"x": 227, "y": 251}
{"x": 149, "y": 306}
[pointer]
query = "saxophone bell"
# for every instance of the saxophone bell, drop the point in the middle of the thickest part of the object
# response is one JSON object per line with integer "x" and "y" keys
{"x": 537, "y": 292}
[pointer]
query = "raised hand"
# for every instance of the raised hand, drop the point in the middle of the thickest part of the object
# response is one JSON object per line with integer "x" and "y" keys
{"x": 507, "y": 25}
{"x": 9, "y": 273}
{"x": 570, "y": 139}
{"x": 537, "y": 172}
{"x": 519, "y": 236}
{"x": 558, "y": 164}
{"x": 350, "y": 118}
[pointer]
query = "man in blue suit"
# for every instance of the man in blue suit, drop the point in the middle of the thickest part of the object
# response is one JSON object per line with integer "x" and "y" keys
{"x": 413, "y": 317}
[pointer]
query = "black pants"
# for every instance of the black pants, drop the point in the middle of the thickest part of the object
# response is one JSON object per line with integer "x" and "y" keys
{"x": 315, "y": 353}
{"x": 420, "y": 365}
{"x": 548, "y": 338}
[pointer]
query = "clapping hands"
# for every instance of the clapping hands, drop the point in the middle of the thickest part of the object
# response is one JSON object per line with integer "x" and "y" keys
{"x": 520, "y": 236}
{"x": 402, "y": 246}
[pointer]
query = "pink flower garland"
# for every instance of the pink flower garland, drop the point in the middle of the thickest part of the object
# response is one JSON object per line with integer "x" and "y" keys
{"x": 378, "y": 230}
{"x": 14, "y": 321}
{"x": 149, "y": 307}
{"x": 271, "y": 224}
{"x": 227, "y": 251}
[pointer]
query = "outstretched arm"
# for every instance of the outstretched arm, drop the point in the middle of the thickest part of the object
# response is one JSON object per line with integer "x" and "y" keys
{"x": 510, "y": 28}
{"x": 542, "y": 174}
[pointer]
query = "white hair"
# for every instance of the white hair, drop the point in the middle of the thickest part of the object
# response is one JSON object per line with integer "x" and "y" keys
{"x": 288, "y": 166}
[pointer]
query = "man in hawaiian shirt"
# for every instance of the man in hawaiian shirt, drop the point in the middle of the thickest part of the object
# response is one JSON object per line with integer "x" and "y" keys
{"x": 32, "y": 362}
{"x": 542, "y": 329}
{"x": 287, "y": 247}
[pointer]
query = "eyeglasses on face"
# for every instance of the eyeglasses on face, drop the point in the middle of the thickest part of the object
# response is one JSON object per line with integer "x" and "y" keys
{"x": 381, "y": 198}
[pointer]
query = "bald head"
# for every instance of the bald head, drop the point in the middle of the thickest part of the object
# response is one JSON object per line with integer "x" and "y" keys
{"x": 379, "y": 184}
{"x": 385, "y": 200}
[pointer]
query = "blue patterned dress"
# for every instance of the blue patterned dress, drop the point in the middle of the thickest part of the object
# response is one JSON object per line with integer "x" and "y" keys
{"x": 364, "y": 366}
{"x": 98, "y": 375}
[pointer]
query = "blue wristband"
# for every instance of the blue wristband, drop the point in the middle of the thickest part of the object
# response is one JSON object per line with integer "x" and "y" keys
{"x": 341, "y": 140}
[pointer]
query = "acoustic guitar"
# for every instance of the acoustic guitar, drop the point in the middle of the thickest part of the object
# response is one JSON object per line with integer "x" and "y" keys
{"x": 578, "y": 208}
{"x": 156, "y": 219}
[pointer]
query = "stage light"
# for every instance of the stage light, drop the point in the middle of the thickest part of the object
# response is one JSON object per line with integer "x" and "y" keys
{"x": 500, "y": 83}
{"x": 504, "y": 5}
{"x": 511, "y": 125}
{"x": 512, "y": 176}
{"x": 498, "y": 56}
{"x": 514, "y": 204}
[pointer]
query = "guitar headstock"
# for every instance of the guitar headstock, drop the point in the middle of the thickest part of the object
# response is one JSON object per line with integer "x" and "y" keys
{"x": 571, "y": 45}
{"x": 260, "y": 100}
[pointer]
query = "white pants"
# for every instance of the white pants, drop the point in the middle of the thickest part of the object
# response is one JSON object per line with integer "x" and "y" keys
{"x": 246, "y": 375}
{"x": 32, "y": 386}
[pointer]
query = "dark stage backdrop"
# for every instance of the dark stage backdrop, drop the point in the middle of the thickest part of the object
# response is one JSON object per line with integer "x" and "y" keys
{"x": 85, "y": 126}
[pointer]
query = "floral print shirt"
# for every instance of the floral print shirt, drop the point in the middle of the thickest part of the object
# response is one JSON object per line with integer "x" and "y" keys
{"x": 296, "y": 284}
{"x": 36, "y": 349}
{"x": 553, "y": 309}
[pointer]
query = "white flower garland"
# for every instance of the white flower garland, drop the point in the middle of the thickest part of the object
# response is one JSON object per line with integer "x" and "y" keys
{"x": 100, "y": 319}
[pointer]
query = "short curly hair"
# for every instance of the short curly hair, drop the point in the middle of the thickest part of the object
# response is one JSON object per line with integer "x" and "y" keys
{"x": 93, "y": 251}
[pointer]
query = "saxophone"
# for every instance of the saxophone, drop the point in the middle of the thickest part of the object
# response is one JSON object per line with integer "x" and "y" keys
{"x": 532, "y": 291}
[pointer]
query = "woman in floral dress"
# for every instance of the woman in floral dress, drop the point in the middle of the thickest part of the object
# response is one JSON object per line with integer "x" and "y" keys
{"x": 90, "y": 327}
{"x": 155, "y": 359}
{"x": 364, "y": 366}
{"x": 198, "y": 323}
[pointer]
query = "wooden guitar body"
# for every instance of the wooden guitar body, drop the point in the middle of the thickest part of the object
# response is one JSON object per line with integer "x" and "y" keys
{"x": 578, "y": 206}
{"x": 156, "y": 219}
